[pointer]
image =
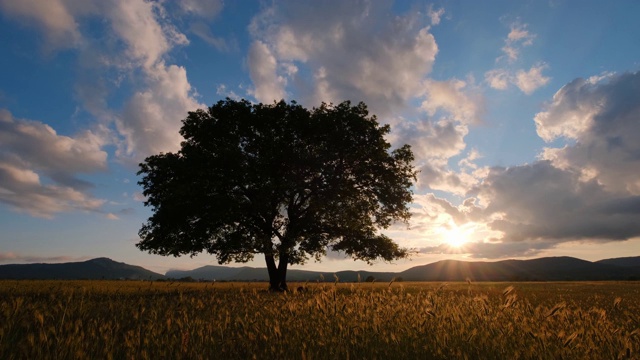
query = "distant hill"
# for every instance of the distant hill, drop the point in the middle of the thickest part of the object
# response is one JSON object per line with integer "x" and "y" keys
{"x": 542, "y": 269}
{"x": 100, "y": 268}
{"x": 226, "y": 273}
{"x": 624, "y": 261}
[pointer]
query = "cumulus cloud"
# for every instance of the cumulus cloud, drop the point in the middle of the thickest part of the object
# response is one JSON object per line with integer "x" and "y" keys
{"x": 428, "y": 139}
{"x": 433, "y": 143}
{"x": 443, "y": 211}
{"x": 344, "y": 50}
{"x": 527, "y": 81}
{"x": 587, "y": 190}
{"x": 139, "y": 35}
{"x": 138, "y": 25}
{"x": 456, "y": 97}
{"x": 498, "y": 78}
{"x": 517, "y": 38}
{"x": 22, "y": 189}
{"x": 330, "y": 52}
{"x": 151, "y": 119}
{"x": 131, "y": 43}
{"x": 263, "y": 67}
{"x": 541, "y": 202}
{"x": 600, "y": 115}
{"x": 30, "y": 150}
{"x": 530, "y": 81}
{"x": 53, "y": 18}
{"x": 39, "y": 145}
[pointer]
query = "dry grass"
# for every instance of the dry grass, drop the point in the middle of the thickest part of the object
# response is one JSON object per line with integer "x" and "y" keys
{"x": 144, "y": 320}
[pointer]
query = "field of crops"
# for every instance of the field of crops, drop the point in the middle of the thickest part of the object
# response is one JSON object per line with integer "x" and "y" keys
{"x": 163, "y": 320}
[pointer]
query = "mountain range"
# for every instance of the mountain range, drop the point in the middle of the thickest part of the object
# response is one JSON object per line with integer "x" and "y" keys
{"x": 541, "y": 269}
{"x": 99, "y": 268}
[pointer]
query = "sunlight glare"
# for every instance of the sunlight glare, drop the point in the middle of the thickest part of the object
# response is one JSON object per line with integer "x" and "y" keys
{"x": 456, "y": 236}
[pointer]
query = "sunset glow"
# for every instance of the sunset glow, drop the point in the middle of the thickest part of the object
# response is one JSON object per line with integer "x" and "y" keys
{"x": 522, "y": 116}
{"x": 457, "y": 236}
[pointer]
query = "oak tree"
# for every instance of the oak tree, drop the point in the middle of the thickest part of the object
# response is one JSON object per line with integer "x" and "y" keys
{"x": 278, "y": 180}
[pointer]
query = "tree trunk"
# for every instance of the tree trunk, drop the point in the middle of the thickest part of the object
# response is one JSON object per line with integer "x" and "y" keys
{"x": 277, "y": 275}
{"x": 282, "y": 270}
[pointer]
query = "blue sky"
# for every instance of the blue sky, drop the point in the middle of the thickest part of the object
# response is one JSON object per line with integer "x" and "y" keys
{"x": 524, "y": 115}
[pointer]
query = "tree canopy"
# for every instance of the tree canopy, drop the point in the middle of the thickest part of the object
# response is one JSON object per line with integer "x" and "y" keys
{"x": 278, "y": 180}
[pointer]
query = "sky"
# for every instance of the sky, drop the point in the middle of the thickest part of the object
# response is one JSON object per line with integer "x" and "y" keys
{"x": 524, "y": 116}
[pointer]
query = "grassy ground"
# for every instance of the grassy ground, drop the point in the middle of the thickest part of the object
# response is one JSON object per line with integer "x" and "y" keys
{"x": 163, "y": 320}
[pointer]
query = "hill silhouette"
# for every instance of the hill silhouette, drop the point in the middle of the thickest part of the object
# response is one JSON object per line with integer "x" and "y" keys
{"x": 541, "y": 269}
{"x": 633, "y": 261}
{"x": 99, "y": 268}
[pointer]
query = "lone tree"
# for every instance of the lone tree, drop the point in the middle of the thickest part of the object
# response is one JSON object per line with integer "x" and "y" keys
{"x": 277, "y": 180}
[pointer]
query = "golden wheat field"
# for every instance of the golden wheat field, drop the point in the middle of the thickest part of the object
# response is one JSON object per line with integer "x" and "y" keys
{"x": 164, "y": 320}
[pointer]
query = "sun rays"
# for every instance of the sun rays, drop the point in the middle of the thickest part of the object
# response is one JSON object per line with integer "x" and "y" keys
{"x": 456, "y": 236}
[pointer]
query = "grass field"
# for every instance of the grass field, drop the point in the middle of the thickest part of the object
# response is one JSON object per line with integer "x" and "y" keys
{"x": 162, "y": 320}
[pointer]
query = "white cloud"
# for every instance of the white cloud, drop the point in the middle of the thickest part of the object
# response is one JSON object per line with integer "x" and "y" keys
{"x": 468, "y": 161}
{"x": 38, "y": 146}
{"x": 22, "y": 190}
{"x": 571, "y": 112}
{"x": 263, "y": 68}
{"x": 588, "y": 190}
{"x": 53, "y": 17}
{"x": 344, "y": 51}
{"x": 431, "y": 140}
{"x": 152, "y": 117}
{"x": 131, "y": 43}
{"x": 518, "y": 38}
{"x": 498, "y": 78}
{"x": 585, "y": 191}
{"x": 600, "y": 115}
{"x": 454, "y": 97}
{"x": 331, "y": 52}
{"x": 519, "y": 33}
{"x": 435, "y": 15}
{"x": 529, "y": 81}
{"x": 540, "y": 202}
{"x": 433, "y": 143}
{"x": 139, "y": 35}
{"x": 139, "y": 25}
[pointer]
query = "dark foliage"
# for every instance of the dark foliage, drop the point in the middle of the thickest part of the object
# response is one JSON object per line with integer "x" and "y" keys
{"x": 278, "y": 180}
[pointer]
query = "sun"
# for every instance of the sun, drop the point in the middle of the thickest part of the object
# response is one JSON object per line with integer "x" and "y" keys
{"x": 455, "y": 235}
